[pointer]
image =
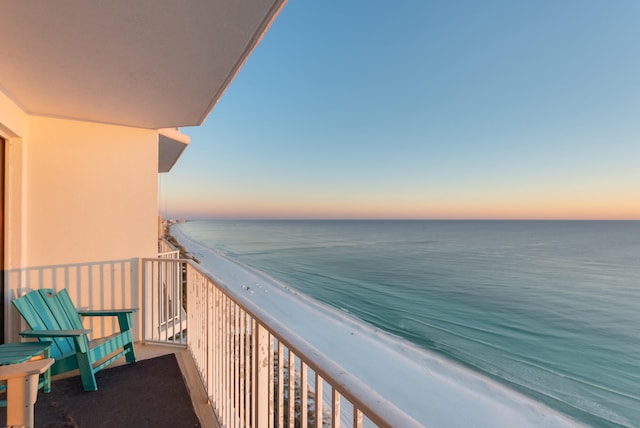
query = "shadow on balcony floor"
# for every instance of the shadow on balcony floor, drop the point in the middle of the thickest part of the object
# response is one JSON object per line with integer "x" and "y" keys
{"x": 149, "y": 393}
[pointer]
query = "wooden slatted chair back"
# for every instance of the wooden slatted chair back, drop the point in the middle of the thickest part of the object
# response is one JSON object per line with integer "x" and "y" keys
{"x": 53, "y": 317}
{"x": 45, "y": 310}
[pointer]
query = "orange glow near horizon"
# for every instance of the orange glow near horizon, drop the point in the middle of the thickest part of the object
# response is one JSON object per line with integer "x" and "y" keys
{"x": 468, "y": 198}
{"x": 578, "y": 209}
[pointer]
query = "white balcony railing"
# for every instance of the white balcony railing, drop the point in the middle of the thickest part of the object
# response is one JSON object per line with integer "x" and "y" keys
{"x": 166, "y": 250}
{"x": 164, "y": 298}
{"x": 257, "y": 373}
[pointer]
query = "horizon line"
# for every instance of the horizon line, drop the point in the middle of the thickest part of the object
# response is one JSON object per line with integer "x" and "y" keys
{"x": 200, "y": 217}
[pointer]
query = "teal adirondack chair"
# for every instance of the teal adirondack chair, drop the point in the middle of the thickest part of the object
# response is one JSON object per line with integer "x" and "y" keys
{"x": 53, "y": 317}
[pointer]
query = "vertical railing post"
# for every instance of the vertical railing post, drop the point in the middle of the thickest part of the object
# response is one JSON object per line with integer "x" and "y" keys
{"x": 304, "y": 394}
{"x": 146, "y": 289}
{"x": 271, "y": 400}
{"x": 210, "y": 338}
{"x": 247, "y": 371}
{"x": 217, "y": 373}
{"x": 357, "y": 417}
{"x": 227, "y": 361}
{"x": 318, "y": 401}
{"x": 280, "y": 394}
{"x": 335, "y": 408}
{"x": 291, "y": 388}
{"x": 241, "y": 370}
{"x": 261, "y": 403}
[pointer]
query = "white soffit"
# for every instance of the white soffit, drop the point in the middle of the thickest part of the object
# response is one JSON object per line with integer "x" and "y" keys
{"x": 150, "y": 63}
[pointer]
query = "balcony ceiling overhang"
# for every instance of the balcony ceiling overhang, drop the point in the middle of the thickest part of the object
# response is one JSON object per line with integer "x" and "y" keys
{"x": 142, "y": 63}
{"x": 171, "y": 144}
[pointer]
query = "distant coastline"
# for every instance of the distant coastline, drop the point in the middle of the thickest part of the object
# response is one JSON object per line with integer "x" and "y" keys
{"x": 184, "y": 252}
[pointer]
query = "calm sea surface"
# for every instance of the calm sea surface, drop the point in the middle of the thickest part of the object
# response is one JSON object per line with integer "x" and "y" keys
{"x": 550, "y": 308}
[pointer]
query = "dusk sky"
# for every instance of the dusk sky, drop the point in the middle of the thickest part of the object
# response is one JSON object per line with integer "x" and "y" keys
{"x": 425, "y": 109}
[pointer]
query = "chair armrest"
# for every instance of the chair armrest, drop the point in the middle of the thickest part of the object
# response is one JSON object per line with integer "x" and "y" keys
{"x": 25, "y": 369}
{"x": 54, "y": 333}
{"x": 107, "y": 312}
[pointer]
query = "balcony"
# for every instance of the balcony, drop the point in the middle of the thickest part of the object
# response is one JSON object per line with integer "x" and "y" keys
{"x": 244, "y": 368}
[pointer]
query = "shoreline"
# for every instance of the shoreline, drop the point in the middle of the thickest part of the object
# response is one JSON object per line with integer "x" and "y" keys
{"x": 427, "y": 386}
{"x": 183, "y": 251}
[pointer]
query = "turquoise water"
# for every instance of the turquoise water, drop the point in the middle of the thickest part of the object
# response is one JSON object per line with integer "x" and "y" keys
{"x": 550, "y": 308}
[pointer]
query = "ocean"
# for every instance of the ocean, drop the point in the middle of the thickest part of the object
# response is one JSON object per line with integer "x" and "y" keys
{"x": 548, "y": 308}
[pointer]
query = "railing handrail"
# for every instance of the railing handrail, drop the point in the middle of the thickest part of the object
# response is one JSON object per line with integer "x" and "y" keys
{"x": 378, "y": 409}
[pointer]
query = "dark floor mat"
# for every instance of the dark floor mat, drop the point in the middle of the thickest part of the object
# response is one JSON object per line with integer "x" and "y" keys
{"x": 149, "y": 393}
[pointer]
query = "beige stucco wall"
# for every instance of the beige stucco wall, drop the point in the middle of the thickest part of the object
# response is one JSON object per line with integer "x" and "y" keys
{"x": 81, "y": 209}
{"x": 91, "y": 192}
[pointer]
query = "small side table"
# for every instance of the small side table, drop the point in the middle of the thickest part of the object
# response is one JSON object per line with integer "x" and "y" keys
{"x": 14, "y": 353}
{"x": 22, "y": 390}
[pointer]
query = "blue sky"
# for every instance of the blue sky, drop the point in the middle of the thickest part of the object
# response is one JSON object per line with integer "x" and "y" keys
{"x": 425, "y": 109}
